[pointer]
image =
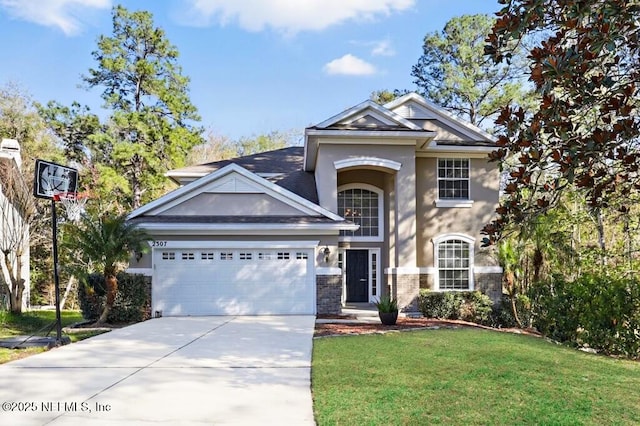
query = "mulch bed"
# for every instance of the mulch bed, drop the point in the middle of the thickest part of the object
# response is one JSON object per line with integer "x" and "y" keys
{"x": 403, "y": 324}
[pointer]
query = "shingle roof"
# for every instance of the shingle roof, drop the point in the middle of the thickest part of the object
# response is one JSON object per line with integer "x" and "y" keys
{"x": 283, "y": 160}
{"x": 285, "y": 164}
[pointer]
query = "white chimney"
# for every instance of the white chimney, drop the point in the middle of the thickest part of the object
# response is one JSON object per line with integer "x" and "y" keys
{"x": 12, "y": 148}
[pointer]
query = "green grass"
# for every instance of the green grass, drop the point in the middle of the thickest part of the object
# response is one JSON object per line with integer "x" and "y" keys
{"x": 33, "y": 322}
{"x": 468, "y": 376}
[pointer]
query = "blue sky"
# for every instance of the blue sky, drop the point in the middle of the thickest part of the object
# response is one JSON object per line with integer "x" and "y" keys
{"x": 255, "y": 65}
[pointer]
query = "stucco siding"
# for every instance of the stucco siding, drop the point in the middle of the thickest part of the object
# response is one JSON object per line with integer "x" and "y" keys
{"x": 335, "y": 150}
{"x": 232, "y": 205}
{"x": 443, "y": 132}
{"x": 434, "y": 221}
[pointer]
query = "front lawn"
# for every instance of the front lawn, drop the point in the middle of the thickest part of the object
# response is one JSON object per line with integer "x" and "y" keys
{"x": 28, "y": 323}
{"x": 468, "y": 376}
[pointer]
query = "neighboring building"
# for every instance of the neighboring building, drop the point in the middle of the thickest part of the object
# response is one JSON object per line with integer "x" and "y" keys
{"x": 15, "y": 203}
{"x": 380, "y": 199}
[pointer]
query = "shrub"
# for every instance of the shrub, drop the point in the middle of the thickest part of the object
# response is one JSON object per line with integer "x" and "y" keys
{"x": 131, "y": 304}
{"x": 595, "y": 310}
{"x": 470, "y": 306}
{"x": 502, "y": 314}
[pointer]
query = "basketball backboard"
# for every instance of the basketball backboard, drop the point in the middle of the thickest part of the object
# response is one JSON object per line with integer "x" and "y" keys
{"x": 52, "y": 179}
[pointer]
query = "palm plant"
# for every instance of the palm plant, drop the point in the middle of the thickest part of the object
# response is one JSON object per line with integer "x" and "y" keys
{"x": 106, "y": 244}
{"x": 509, "y": 257}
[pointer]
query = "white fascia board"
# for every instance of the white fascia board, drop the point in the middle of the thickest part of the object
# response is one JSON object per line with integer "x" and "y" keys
{"x": 173, "y": 174}
{"x": 457, "y": 154}
{"x": 435, "y": 148}
{"x": 255, "y": 228}
{"x": 387, "y": 134}
{"x": 175, "y": 244}
{"x": 464, "y": 127}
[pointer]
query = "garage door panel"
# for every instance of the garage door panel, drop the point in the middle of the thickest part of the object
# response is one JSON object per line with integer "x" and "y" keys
{"x": 234, "y": 282}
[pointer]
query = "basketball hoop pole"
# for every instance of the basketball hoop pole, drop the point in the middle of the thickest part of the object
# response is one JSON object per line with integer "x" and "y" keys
{"x": 56, "y": 279}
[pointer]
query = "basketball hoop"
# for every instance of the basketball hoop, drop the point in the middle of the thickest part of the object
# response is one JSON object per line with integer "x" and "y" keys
{"x": 73, "y": 202}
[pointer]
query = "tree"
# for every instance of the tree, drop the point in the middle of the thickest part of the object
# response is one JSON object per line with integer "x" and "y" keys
{"x": 382, "y": 97}
{"x": 17, "y": 213}
{"x": 74, "y": 126}
{"x": 454, "y": 73}
{"x": 584, "y": 136}
{"x": 265, "y": 142}
{"x": 19, "y": 120}
{"x": 105, "y": 244}
{"x": 215, "y": 148}
{"x": 151, "y": 129}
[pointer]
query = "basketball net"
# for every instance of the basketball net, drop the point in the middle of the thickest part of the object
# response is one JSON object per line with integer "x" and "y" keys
{"x": 73, "y": 202}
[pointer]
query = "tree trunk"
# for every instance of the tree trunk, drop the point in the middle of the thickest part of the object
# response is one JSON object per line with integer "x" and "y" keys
{"x": 510, "y": 280}
{"x": 538, "y": 263}
{"x": 16, "y": 284}
{"x": 112, "y": 289}
{"x": 601, "y": 237}
{"x": 15, "y": 298}
{"x": 67, "y": 291}
{"x": 136, "y": 185}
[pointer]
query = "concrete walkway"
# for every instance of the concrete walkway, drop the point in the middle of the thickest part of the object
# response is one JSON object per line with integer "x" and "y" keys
{"x": 173, "y": 371}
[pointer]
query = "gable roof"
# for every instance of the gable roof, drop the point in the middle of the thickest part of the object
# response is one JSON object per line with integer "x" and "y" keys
{"x": 281, "y": 166}
{"x": 415, "y": 107}
{"x": 233, "y": 178}
{"x": 408, "y": 119}
{"x": 385, "y": 119}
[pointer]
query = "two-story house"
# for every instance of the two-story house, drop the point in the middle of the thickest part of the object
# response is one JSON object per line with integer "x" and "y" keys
{"x": 379, "y": 199}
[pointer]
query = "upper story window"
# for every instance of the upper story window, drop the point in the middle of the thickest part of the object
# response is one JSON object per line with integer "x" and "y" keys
{"x": 453, "y": 182}
{"x": 361, "y": 204}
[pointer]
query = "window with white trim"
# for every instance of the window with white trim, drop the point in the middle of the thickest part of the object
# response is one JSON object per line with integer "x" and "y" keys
{"x": 453, "y": 178}
{"x": 454, "y": 262}
{"x": 362, "y": 206}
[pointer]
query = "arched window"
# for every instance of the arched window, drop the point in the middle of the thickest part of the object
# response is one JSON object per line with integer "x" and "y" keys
{"x": 361, "y": 204}
{"x": 454, "y": 262}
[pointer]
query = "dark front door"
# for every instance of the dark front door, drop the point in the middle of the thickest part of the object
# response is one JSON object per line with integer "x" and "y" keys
{"x": 357, "y": 275}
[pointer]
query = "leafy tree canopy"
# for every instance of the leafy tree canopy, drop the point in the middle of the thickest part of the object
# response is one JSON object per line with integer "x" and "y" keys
{"x": 454, "y": 73}
{"x": 584, "y": 136}
{"x": 152, "y": 126}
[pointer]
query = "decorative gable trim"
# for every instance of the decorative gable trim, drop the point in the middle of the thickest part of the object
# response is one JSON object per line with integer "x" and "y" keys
{"x": 410, "y": 100}
{"x": 229, "y": 179}
{"x": 376, "y": 111}
{"x": 367, "y": 161}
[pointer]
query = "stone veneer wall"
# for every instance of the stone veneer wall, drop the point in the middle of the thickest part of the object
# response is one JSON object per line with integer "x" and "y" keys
{"x": 489, "y": 284}
{"x": 405, "y": 289}
{"x": 329, "y": 294}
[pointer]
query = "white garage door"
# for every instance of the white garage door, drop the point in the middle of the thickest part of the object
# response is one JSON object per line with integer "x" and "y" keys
{"x": 233, "y": 282}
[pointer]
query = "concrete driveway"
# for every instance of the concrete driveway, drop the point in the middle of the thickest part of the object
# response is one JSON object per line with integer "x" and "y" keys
{"x": 173, "y": 371}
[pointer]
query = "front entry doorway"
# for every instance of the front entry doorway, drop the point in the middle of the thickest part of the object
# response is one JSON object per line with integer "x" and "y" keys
{"x": 357, "y": 278}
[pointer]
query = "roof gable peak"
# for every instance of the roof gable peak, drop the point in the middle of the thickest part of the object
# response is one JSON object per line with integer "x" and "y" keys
{"x": 223, "y": 180}
{"x": 415, "y": 106}
{"x": 369, "y": 109}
